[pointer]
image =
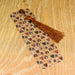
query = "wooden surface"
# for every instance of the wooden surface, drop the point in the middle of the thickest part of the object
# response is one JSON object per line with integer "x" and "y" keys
{"x": 15, "y": 59}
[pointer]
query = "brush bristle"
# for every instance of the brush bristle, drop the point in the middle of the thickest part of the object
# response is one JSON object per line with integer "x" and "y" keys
{"x": 52, "y": 33}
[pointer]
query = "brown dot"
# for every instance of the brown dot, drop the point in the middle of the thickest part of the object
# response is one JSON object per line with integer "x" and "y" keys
{"x": 47, "y": 42}
{"x": 41, "y": 57}
{"x": 61, "y": 58}
{"x": 19, "y": 25}
{"x": 35, "y": 55}
{"x": 52, "y": 45}
{"x": 27, "y": 9}
{"x": 33, "y": 36}
{"x": 14, "y": 12}
{"x": 42, "y": 37}
{"x": 41, "y": 53}
{"x": 38, "y": 40}
{"x": 21, "y": 31}
{"x": 30, "y": 13}
{"x": 26, "y": 36}
{"x": 30, "y": 39}
{"x": 15, "y": 20}
{"x": 48, "y": 39}
{"x": 46, "y": 47}
{"x": 44, "y": 34}
{"x": 49, "y": 61}
{"x": 37, "y": 51}
{"x": 13, "y": 15}
{"x": 27, "y": 42}
{"x": 54, "y": 60}
{"x": 55, "y": 46}
{"x": 17, "y": 17}
{"x": 34, "y": 41}
{"x": 22, "y": 11}
{"x": 33, "y": 49}
{"x": 26, "y": 29}
{"x": 50, "y": 49}
{"x": 46, "y": 57}
{"x": 56, "y": 51}
{"x": 23, "y": 27}
{"x": 46, "y": 52}
{"x": 20, "y": 19}
{"x": 56, "y": 55}
{"x": 45, "y": 65}
{"x": 20, "y": 22}
{"x": 33, "y": 45}
{"x": 26, "y": 33}
{"x": 41, "y": 62}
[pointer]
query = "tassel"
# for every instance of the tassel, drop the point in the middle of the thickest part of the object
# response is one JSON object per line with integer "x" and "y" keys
{"x": 52, "y": 33}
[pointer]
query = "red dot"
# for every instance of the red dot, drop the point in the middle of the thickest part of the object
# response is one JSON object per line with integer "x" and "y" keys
{"x": 14, "y": 12}
{"x": 27, "y": 9}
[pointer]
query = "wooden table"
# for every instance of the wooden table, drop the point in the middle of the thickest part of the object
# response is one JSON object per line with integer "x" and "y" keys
{"x": 15, "y": 59}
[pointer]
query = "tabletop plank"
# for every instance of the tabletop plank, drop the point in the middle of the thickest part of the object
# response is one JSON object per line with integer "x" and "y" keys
{"x": 15, "y": 59}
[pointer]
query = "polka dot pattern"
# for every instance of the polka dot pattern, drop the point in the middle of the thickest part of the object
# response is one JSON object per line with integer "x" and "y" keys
{"x": 40, "y": 44}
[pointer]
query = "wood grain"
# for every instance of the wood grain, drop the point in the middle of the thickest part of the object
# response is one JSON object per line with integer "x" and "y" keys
{"x": 15, "y": 59}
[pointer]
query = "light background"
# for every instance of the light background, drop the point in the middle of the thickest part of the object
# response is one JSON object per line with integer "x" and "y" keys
{"x": 15, "y": 59}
